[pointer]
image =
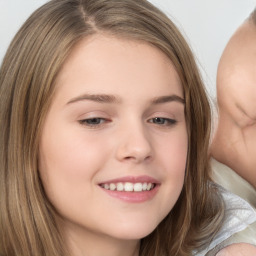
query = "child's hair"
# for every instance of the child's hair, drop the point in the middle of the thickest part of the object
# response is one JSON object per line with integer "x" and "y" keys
{"x": 252, "y": 16}
{"x": 27, "y": 79}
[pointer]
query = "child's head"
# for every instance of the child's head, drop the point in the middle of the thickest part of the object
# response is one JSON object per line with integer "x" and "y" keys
{"x": 55, "y": 72}
{"x": 236, "y": 102}
{"x": 233, "y": 144}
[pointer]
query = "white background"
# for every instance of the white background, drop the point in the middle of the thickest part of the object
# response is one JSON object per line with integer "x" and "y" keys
{"x": 206, "y": 24}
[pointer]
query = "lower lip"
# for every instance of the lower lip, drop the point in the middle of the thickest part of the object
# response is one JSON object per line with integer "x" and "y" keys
{"x": 133, "y": 197}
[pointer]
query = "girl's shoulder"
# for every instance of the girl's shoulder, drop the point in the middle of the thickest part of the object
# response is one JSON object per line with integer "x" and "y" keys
{"x": 239, "y": 226}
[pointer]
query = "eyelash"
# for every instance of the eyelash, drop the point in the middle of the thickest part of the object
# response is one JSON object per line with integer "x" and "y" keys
{"x": 96, "y": 122}
{"x": 93, "y": 122}
{"x": 163, "y": 121}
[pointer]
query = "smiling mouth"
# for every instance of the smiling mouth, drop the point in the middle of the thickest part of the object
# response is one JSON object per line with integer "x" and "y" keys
{"x": 128, "y": 186}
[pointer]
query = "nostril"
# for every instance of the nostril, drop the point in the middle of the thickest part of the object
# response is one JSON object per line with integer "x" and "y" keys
{"x": 138, "y": 158}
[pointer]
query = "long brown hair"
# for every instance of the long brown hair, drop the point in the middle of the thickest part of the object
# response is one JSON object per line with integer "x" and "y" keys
{"x": 27, "y": 79}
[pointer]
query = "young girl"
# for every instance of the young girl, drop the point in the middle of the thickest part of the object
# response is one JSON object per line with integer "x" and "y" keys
{"x": 105, "y": 127}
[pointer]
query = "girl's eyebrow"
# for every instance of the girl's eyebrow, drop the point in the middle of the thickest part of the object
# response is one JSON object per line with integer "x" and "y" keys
{"x": 101, "y": 98}
{"x": 168, "y": 98}
{"x": 108, "y": 98}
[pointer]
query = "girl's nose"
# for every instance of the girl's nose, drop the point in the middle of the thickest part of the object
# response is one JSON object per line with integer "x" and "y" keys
{"x": 134, "y": 145}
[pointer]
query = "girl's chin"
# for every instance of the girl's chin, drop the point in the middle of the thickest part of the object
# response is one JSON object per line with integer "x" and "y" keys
{"x": 135, "y": 234}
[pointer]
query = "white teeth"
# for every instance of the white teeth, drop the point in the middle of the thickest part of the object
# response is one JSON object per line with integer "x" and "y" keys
{"x": 119, "y": 186}
{"x": 106, "y": 186}
{"x": 128, "y": 186}
{"x": 144, "y": 186}
{"x": 112, "y": 186}
{"x": 137, "y": 187}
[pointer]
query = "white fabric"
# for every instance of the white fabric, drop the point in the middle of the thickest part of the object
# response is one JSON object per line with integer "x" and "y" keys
{"x": 231, "y": 181}
{"x": 239, "y": 215}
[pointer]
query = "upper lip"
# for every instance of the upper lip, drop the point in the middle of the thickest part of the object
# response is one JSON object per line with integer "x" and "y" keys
{"x": 133, "y": 179}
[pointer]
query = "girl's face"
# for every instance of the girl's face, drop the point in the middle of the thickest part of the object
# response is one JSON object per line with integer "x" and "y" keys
{"x": 114, "y": 144}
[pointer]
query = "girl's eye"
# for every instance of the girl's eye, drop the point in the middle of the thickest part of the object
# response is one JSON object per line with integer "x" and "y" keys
{"x": 162, "y": 121}
{"x": 93, "y": 122}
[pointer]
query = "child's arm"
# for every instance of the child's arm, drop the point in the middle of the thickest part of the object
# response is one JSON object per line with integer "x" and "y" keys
{"x": 240, "y": 249}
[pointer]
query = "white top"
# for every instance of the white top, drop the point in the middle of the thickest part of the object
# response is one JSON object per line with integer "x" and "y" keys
{"x": 231, "y": 181}
{"x": 240, "y": 215}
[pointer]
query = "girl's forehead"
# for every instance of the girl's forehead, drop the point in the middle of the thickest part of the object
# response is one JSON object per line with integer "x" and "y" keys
{"x": 106, "y": 46}
{"x": 110, "y": 65}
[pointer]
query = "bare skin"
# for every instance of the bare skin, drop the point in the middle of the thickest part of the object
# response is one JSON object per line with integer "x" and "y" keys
{"x": 241, "y": 249}
{"x": 234, "y": 143}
